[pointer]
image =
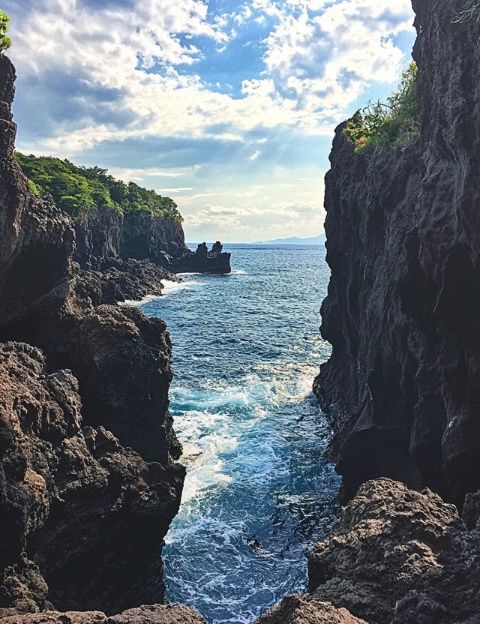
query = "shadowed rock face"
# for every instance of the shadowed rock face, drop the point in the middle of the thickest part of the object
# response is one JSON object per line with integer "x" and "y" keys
{"x": 106, "y": 234}
{"x": 402, "y": 387}
{"x": 399, "y": 556}
{"x": 203, "y": 261}
{"x": 83, "y": 517}
{"x": 71, "y": 495}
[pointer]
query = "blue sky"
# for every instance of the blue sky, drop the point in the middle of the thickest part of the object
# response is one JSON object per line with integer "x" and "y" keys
{"x": 228, "y": 106}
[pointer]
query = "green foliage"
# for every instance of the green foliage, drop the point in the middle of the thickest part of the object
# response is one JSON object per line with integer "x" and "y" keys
{"x": 34, "y": 188}
{"x": 469, "y": 13}
{"x": 77, "y": 190}
{"x": 390, "y": 125}
{"x": 5, "y": 41}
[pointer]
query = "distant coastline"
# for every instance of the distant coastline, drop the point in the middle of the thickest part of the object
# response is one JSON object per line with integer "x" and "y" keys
{"x": 294, "y": 240}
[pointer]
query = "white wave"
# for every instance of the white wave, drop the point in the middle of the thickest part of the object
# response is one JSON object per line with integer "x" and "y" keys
{"x": 238, "y": 272}
{"x": 204, "y": 439}
{"x": 170, "y": 287}
{"x": 139, "y": 302}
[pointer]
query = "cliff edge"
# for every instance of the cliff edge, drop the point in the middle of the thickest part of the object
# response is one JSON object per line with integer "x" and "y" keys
{"x": 402, "y": 387}
{"x": 88, "y": 476}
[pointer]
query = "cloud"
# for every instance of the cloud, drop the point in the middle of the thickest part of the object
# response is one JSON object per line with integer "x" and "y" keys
{"x": 127, "y": 69}
{"x": 232, "y": 110}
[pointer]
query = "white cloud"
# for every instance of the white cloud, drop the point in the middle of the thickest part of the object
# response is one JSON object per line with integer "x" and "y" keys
{"x": 125, "y": 60}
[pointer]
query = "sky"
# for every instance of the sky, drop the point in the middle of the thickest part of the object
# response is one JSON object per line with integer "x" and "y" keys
{"x": 227, "y": 106}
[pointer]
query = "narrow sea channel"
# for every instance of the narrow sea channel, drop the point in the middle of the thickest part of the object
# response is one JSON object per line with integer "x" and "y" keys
{"x": 258, "y": 492}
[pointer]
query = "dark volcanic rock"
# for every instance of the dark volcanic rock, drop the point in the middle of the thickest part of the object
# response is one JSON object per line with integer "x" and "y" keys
{"x": 121, "y": 280}
{"x": 83, "y": 517}
{"x": 302, "y": 610}
{"x": 98, "y": 236}
{"x": 402, "y": 387}
{"x": 151, "y": 614}
{"x": 152, "y": 238}
{"x": 107, "y": 234}
{"x": 399, "y": 556}
{"x": 122, "y": 361}
{"x": 203, "y": 261}
{"x": 78, "y": 510}
{"x": 36, "y": 239}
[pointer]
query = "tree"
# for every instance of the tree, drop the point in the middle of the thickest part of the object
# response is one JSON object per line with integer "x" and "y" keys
{"x": 5, "y": 41}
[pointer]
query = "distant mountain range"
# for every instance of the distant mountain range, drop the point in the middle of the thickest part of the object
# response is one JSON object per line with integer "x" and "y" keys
{"x": 295, "y": 240}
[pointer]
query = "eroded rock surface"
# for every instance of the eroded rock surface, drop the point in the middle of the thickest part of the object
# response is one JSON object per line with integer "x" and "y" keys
{"x": 302, "y": 610}
{"x": 402, "y": 387}
{"x": 83, "y": 518}
{"x": 148, "y": 614}
{"x": 88, "y": 481}
{"x": 399, "y": 556}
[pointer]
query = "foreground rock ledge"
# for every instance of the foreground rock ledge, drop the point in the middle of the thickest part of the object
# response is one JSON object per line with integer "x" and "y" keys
{"x": 396, "y": 556}
{"x": 151, "y": 614}
{"x": 302, "y": 610}
{"x": 402, "y": 557}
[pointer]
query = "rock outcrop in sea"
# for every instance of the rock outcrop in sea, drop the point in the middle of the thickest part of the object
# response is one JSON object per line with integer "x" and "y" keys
{"x": 89, "y": 480}
{"x": 203, "y": 260}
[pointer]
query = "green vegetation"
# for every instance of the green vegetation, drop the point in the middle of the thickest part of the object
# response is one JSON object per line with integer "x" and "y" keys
{"x": 77, "y": 190}
{"x": 5, "y": 41}
{"x": 469, "y": 13}
{"x": 390, "y": 125}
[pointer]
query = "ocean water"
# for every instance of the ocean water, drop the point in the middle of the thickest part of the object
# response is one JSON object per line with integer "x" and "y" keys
{"x": 258, "y": 492}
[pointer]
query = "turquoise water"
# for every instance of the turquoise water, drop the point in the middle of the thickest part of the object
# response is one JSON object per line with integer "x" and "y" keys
{"x": 258, "y": 493}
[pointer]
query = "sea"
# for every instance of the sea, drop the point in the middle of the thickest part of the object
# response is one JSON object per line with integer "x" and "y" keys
{"x": 258, "y": 492}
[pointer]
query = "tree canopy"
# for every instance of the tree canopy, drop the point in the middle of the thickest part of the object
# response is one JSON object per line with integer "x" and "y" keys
{"x": 5, "y": 41}
{"x": 77, "y": 190}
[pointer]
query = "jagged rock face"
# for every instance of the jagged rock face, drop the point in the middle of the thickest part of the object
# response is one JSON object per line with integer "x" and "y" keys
{"x": 106, "y": 234}
{"x": 398, "y": 556}
{"x": 83, "y": 517}
{"x": 402, "y": 387}
{"x": 122, "y": 361}
{"x": 80, "y": 513}
{"x": 98, "y": 236}
{"x": 36, "y": 239}
{"x": 302, "y": 610}
{"x": 214, "y": 261}
{"x": 153, "y": 614}
{"x": 119, "y": 281}
{"x": 152, "y": 238}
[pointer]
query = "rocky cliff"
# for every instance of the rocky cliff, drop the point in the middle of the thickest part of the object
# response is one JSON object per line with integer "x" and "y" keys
{"x": 402, "y": 387}
{"x": 395, "y": 556}
{"x": 105, "y": 234}
{"x": 88, "y": 477}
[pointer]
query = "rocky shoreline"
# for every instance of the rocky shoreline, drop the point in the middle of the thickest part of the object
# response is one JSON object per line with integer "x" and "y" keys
{"x": 89, "y": 479}
{"x": 401, "y": 388}
{"x": 89, "y": 455}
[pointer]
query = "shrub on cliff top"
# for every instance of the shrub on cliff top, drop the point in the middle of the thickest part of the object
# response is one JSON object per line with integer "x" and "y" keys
{"x": 77, "y": 190}
{"x": 394, "y": 124}
{"x": 5, "y": 41}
